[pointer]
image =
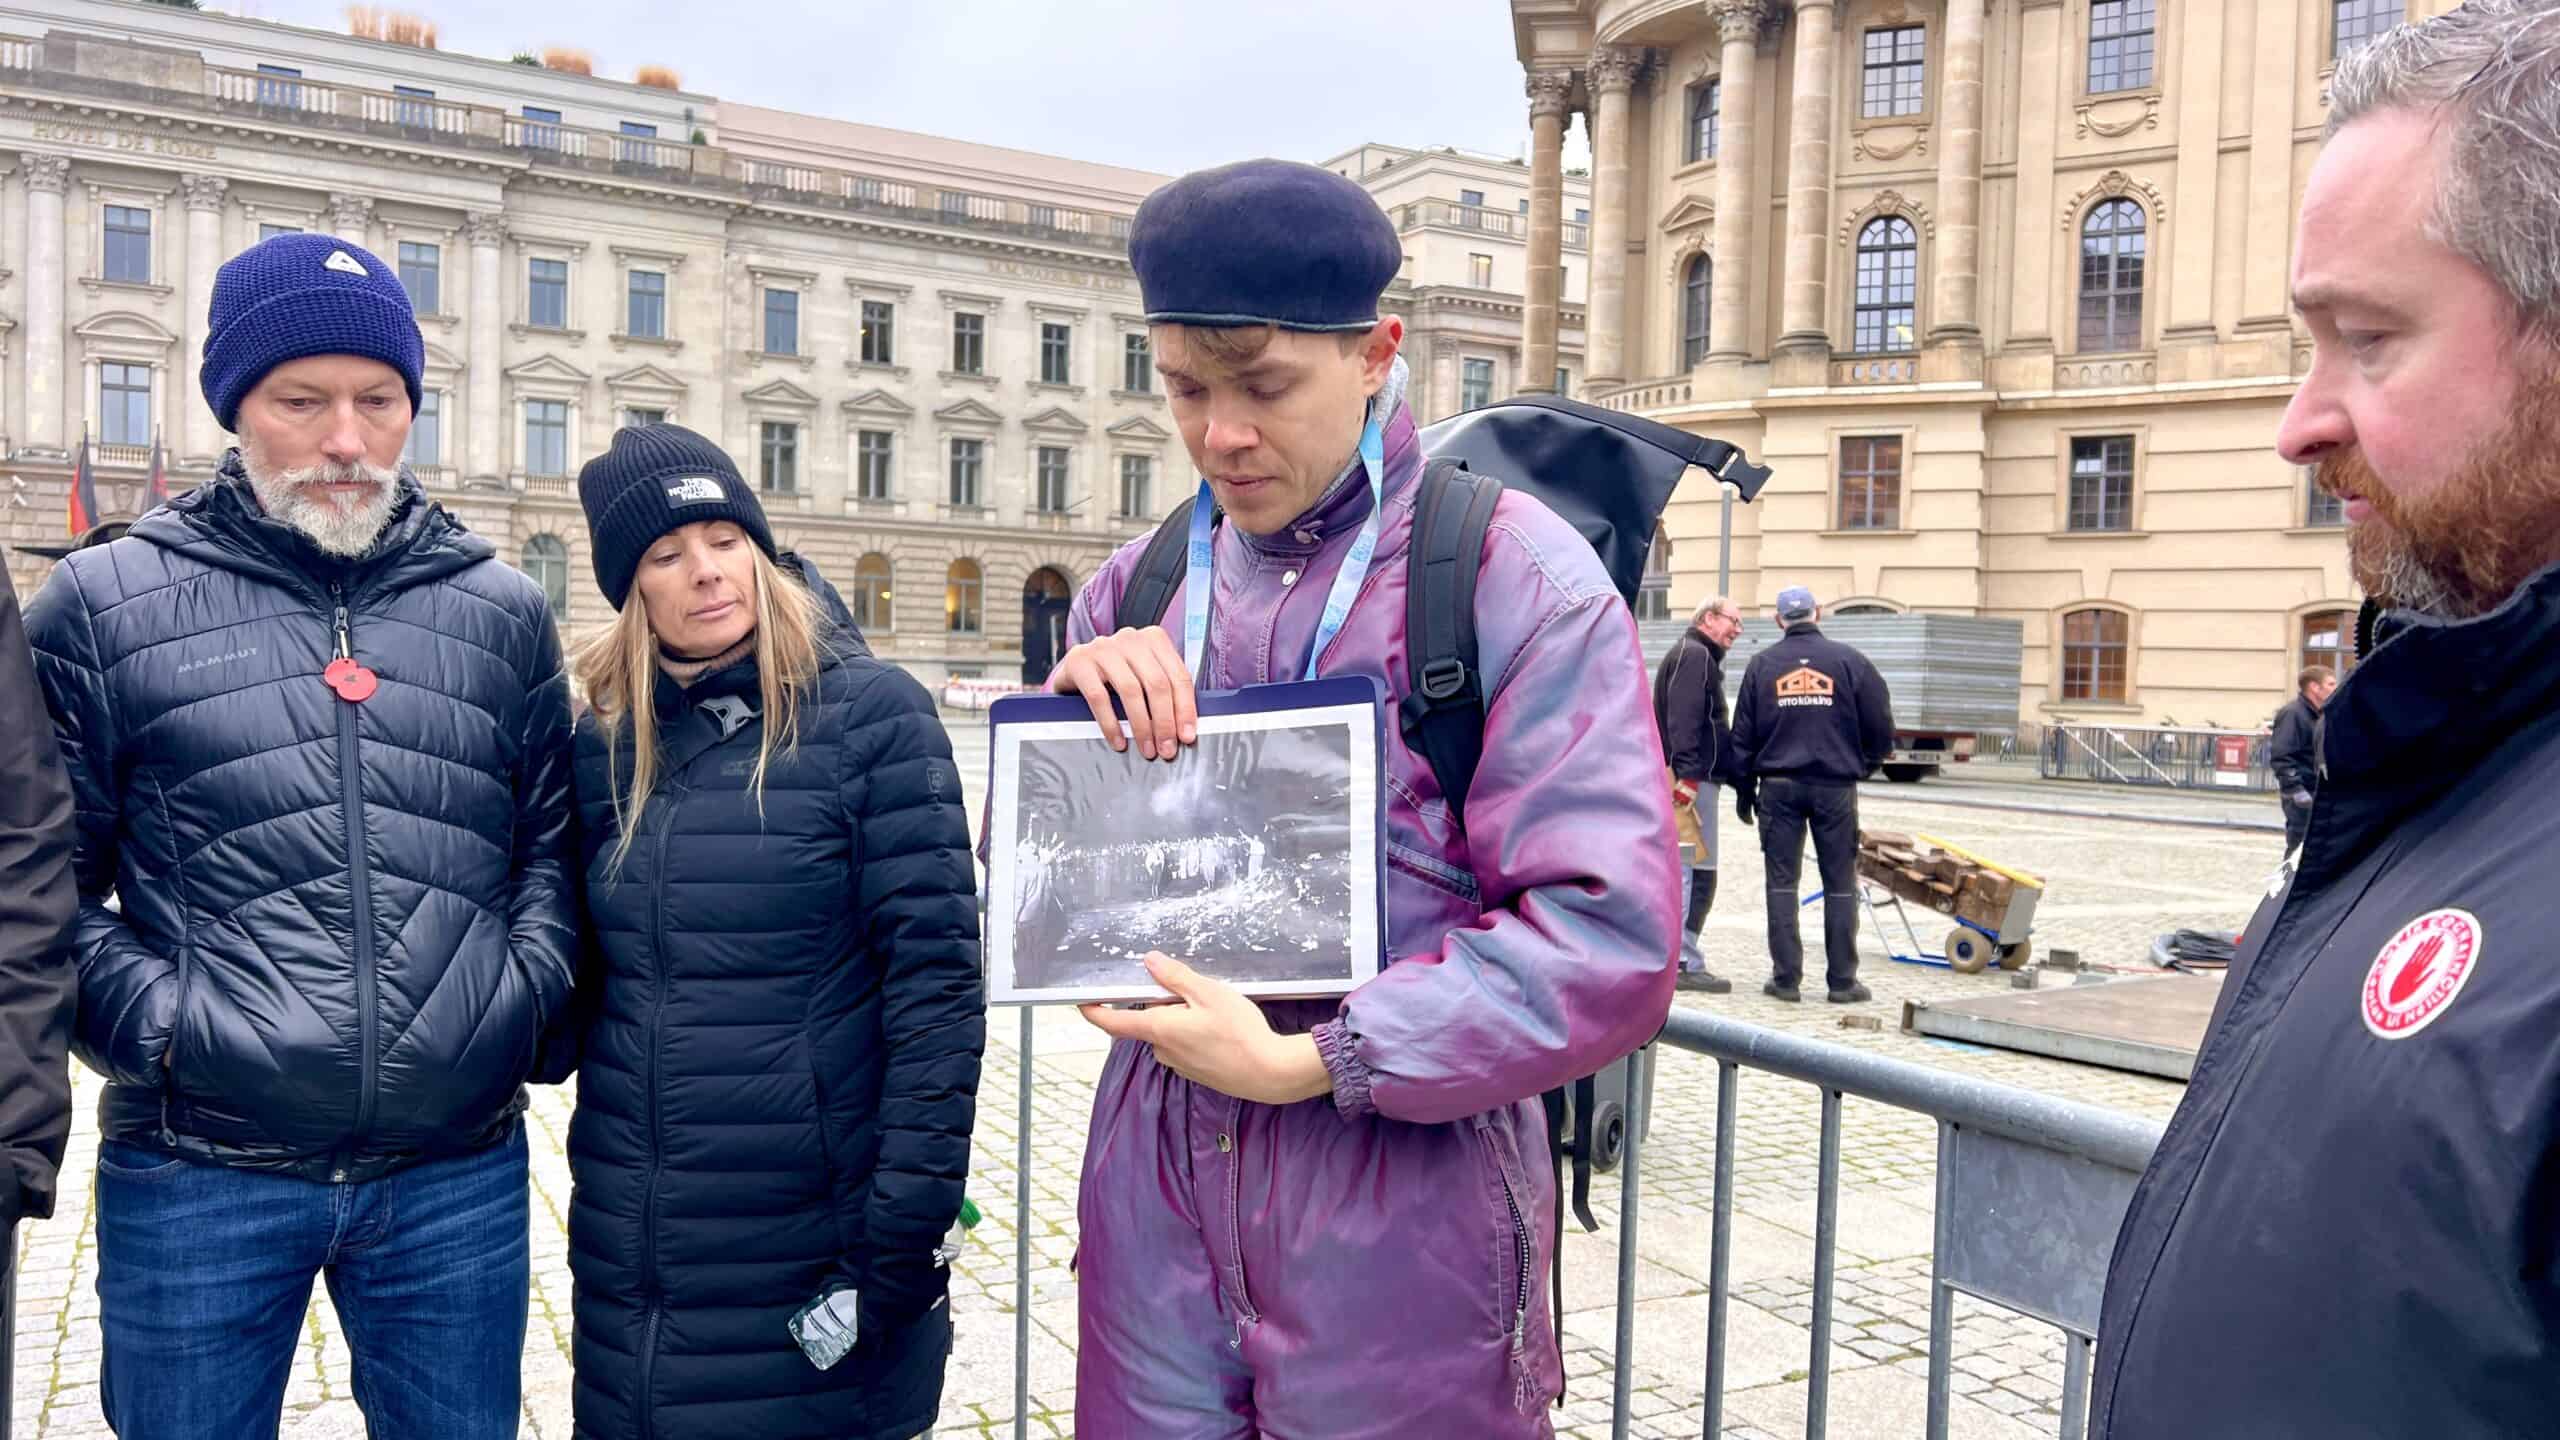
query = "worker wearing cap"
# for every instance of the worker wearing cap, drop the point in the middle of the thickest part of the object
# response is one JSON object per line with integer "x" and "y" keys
{"x": 1812, "y": 720}
{"x": 1334, "y": 1217}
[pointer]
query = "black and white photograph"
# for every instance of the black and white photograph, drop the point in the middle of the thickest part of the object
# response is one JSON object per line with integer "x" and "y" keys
{"x": 1253, "y": 857}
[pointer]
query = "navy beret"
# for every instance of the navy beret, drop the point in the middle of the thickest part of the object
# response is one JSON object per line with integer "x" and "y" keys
{"x": 1264, "y": 242}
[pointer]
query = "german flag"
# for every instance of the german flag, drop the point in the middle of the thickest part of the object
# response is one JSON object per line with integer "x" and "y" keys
{"x": 84, "y": 493}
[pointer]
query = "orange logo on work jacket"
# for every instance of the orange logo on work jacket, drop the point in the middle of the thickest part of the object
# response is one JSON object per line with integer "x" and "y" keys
{"x": 2417, "y": 975}
{"x": 1804, "y": 685}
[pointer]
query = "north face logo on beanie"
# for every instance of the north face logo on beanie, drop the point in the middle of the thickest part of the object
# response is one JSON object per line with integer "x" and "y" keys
{"x": 341, "y": 260}
{"x": 696, "y": 490}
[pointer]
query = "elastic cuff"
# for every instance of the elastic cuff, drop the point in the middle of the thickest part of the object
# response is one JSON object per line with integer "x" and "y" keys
{"x": 1352, "y": 1078}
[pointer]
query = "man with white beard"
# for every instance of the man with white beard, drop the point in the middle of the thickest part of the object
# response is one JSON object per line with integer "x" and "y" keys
{"x": 318, "y": 737}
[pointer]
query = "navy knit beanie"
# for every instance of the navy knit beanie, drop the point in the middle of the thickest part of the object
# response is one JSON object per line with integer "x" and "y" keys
{"x": 293, "y": 296}
{"x": 654, "y": 479}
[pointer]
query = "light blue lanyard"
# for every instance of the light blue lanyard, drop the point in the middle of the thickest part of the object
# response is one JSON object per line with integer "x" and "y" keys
{"x": 1346, "y": 585}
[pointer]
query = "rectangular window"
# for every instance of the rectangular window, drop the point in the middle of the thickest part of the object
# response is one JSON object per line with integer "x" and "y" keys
{"x": 1480, "y": 271}
{"x": 1056, "y": 343}
{"x": 1137, "y": 364}
{"x": 124, "y": 404}
{"x": 1049, "y": 495}
{"x": 268, "y": 230}
{"x": 1471, "y": 197}
{"x": 546, "y": 437}
{"x": 873, "y": 459}
{"x": 2101, "y": 483}
{"x": 1564, "y": 381}
{"x": 2320, "y": 508}
{"x": 781, "y": 322}
{"x": 963, "y": 591}
{"x": 969, "y": 344}
{"x": 426, "y": 433}
{"x": 1137, "y": 480}
{"x": 548, "y": 306}
{"x": 2120, "y": 44}
{"x": 968, "y": 462}
{"x": 422, "y": 275}
{"x": 280, "y": 85}
{"x": 411, "y": 108}
{"x": 781, "y": 457}
{"x": 128, "y": 257}
{"x": 2093, "y": 655}
{"x": 1894, "y": 72}
{"x": 1475, "y": 383}
{"x": 1871, "y": 482}
{"x": 1706, "y": 120}
{"x": 541, "y": 128}
{"x": 879, "y": 333}
{"x": 1581, "y": 214}
{"x": 638, "y": 416}
{"x": 648, "y": 305}
{"x": 2354, "y": 22}
{"x": 1043, "y": 217}
{"x": 637, "y": 147}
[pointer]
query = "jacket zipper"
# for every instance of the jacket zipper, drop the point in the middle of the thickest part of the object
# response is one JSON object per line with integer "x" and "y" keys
{"x": 649, "y": 1189}
{"x": 1520, "y": 1309}
{"x": 361, "y": 879}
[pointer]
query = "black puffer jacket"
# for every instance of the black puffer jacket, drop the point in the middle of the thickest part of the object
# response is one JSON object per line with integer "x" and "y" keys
{"x": 343, "y": 925}
{"x": 777, "y": 1088}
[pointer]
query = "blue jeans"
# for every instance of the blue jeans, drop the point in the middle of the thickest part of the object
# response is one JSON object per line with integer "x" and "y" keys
{"x": 204, "y": 1275}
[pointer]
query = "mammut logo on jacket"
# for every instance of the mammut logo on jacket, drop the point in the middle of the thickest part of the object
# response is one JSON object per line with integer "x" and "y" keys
{"x": 696, "y": 490}
{"x": 1804, "y": 685}
{"x": 207, "y": 662}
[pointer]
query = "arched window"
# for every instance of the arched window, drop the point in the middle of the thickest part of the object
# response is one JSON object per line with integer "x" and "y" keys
{"x": 964, "y": 599}
{"x": 1693, "y": 311}
{"x": 1706, "y": 105}
{"x": 1888, "y": 288}
{"x": 547, "y": 561}
{"x": 871, "y": 610}
{"x": 2112, "y": 245}
{"x": 1653, "y": 592}
{"x": 2328, "y": 638}
{"x": 2095, "y": 644}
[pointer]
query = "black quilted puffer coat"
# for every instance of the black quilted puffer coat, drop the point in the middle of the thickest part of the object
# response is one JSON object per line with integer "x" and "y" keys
{"x": 777, "y": 1086}
{"x": 343, "y": 925}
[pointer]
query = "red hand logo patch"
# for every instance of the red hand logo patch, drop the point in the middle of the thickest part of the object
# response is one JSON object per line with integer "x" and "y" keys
{"x": 2420, "y": 972}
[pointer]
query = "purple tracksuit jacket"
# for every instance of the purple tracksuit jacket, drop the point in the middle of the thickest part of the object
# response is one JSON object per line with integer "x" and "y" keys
{"x": 1375, "y": 1263}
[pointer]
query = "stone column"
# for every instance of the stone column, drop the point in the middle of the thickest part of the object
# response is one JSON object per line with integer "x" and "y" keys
{"x": 199, "y": 435}
{"x": 1444, "y": 377}
{"x": 1729, "y": 302}
{"x": 351, "y": 218}
{"x": 1805, "y": 318}
{"x": 1957, "y": 312}
{"x": 2042, "y": 79}
{"x": 47, "y": 176}
{"x": 2266, "y": 282}
{"x": 2190, "y": 247}
{"x": 1550, "y": 96}
{"x": 488, "y": 320}
{"x": 1613, "y": 73}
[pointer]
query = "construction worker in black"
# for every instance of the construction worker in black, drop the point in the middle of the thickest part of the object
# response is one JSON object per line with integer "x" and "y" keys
{"x": 2293, "y": 754}
{"x": 1689, "y": 711}
{"x": 1812, "y": 720}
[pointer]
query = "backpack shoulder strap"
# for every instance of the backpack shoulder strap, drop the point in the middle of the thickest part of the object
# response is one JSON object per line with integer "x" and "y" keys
{"x": 1442, "y": 716}
{"x": 1159, "y": 573}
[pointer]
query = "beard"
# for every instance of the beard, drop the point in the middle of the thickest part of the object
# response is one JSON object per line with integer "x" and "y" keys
{"x": 2458, "y": 551}
{"x": 343, "y": 526}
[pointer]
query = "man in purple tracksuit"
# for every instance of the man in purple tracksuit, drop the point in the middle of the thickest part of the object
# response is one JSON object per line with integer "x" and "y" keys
{"x": 1332, "y": 1219}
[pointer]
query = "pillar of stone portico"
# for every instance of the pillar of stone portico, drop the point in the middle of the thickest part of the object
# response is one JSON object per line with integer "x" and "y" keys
{"x": 1957, "y": 313}
{"x": 1550, "y": 97}
{"x": 1444, "y": 377}
{"x": 47, "y": 390}
{"x": 487, "y": 322}
{"x": 199, "y": 434}
{"x": 351, "y": 218}
{"x": 1738, "y": 24}
{"x": 1614, "y": 69}
{"x": 1805, "y": 318}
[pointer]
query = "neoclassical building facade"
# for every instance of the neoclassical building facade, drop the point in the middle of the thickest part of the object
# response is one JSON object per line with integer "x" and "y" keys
{"x": 1999, "y": 289}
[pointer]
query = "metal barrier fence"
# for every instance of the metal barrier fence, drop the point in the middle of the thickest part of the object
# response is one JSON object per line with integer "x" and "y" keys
{"x": 2160, "y": 757}
{"x": 2031, "y": 1190}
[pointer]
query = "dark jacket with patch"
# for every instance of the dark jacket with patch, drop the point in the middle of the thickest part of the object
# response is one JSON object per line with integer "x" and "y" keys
{"x": 1811, "y": 708}
{"x": 342, "y": 927}
{"x": 1688, "y": 708}
{"x": 2343, "y": 1233}
{"x": 37, "y": 898}
{"x": 2291, "y": 753}
{"x": 776, "y": 1089}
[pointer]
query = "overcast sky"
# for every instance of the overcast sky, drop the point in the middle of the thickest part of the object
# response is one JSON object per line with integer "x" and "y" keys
{"x": 1165, "y": 85}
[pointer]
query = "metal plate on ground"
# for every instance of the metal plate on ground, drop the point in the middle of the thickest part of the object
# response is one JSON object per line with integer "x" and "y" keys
{"x": 2152, "y": 1025}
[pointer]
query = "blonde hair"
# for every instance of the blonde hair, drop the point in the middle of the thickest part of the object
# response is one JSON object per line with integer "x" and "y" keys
{"x": 617, "y": 668}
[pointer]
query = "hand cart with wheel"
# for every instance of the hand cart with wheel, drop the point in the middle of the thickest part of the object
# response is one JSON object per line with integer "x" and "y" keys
{"x": 1992, "y": 905}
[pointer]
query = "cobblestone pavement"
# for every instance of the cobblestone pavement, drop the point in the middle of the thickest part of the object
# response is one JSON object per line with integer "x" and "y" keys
{"x": 2113, "y": 885}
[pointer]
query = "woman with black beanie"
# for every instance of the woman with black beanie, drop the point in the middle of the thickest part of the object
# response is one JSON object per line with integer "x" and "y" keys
{"x": 779, "y": 1073}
